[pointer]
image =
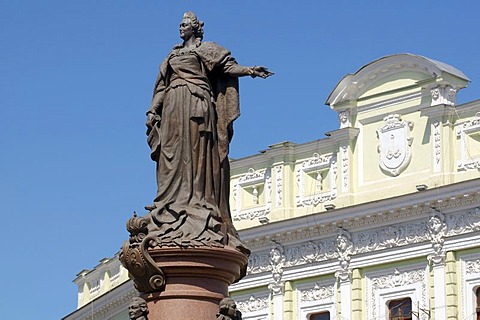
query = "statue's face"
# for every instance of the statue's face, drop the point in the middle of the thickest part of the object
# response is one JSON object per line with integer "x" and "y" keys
{"x": 186, "y": 30}
{"x": 342, "y": 242}
{"x": 135, "y": 311}
{"x": 275, "y": 256}
{"x": 232, "y": 309}
{"x": 435, "y": 224}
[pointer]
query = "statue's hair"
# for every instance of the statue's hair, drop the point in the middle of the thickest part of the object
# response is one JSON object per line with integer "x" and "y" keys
{"x": 197, "y": 25}
{"x": 141, "y": 302}
{"x": 224, "y": 304}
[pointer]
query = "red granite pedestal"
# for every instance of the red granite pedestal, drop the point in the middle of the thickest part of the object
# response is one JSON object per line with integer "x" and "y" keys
{"x": 196, "y": 280}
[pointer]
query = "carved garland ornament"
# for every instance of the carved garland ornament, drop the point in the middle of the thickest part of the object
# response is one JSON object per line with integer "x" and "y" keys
{"x": 253, "y": 304}
{"x": 317, "y": 293}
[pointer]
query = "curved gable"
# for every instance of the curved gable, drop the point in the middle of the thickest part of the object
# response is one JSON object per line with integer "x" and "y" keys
{"x": 393, "y": 73}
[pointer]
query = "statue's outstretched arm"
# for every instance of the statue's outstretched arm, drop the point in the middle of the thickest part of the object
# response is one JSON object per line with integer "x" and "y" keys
{"x": 231, "y": 67}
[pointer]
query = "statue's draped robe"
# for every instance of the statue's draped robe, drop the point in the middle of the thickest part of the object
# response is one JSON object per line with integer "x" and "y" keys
{"x": 195, "y": 103}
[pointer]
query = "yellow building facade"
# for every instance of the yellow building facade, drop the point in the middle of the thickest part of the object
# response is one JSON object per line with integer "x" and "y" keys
{"x": 379, "y": 219}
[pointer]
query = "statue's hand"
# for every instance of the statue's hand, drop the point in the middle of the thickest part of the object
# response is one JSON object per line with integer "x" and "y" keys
{"x": 262, "y": 72}
{"x": 150, "y": 120}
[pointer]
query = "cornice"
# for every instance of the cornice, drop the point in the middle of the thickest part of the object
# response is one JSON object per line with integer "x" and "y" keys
{"x": 362, "y": 216}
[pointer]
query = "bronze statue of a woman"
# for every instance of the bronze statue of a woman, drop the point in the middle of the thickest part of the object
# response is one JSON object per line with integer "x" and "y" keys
{"x": 189, "y": 128}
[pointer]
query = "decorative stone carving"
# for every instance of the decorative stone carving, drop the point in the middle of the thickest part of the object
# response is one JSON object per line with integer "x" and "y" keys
{"x": 317, "y": 293}
{"x": 147, "y": 277}
{"x": 473, "y": 266}
{"x": 463, "y": 130}
{"x": 345, "y": 168}
{"x": 253, "y": 179}
{"x": 277, "y": 262}
{"x": 437, "y": 229}
{"x": 253, "y": 304}
{"x": 390, "y": 236}
{"x": 317, "y": 164}
{"x": 279, "y": 185}
{"x": 228, "y": 310}
{"x": 443, "y": 95}
{"x": 258, "y": 263}
{"x": 301, "y": 254}
{"x": 137, "y": 309}
{"x": 396, "y": 280}
{"x": 464, "y": 223}
{"x": 344, "y": 118}
{"x": 344, "y": 249}
{"x": 395, "y": 144}
{"x": 437, "y": 147}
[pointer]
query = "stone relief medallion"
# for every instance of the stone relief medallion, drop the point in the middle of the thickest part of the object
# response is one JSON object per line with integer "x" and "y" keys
{"x": 394, "y": 144}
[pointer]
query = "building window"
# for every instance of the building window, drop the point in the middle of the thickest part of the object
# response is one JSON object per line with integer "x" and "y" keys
{"x": 325, "y": 315}
{"x": 477, "y": 293}
{"x": 400, "y": 309}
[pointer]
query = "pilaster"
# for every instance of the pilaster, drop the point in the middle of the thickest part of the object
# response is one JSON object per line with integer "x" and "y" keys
{"x": 451, "y": 286}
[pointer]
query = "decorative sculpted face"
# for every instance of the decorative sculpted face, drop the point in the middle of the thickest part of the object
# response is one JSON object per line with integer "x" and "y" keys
{"x": 137, "y": 309}
{"x": 232, "y": 309}
{"x": 435, "y": 225}
{"x": 186, "y": 29}
{"x": 134, "y": 311}
{"x": 275, "y": 256}
{"x": 342, "y": 242}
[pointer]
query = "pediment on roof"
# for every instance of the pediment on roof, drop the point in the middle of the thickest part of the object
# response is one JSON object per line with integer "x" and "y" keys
{"x": 394, "y": 73}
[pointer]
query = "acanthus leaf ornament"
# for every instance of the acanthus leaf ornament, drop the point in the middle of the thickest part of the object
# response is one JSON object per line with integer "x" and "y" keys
{"x": 395, "y": 144}
{"x": 134, "y": 256}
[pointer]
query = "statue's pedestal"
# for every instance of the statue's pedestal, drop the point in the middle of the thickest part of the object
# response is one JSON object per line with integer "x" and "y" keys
{"x": 196, "y": 280}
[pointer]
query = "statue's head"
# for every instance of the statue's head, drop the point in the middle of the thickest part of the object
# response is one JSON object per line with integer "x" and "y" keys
{"x": 189, "y": 18}
{"x": 276, "y": 253}
{"x": 228, "y": 307}
{"x": 137, "y": 308}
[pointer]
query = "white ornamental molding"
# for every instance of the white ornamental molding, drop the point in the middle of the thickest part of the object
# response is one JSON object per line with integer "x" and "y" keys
{"x": 317, "y": 293}
{"x": 437, "y": 230}
{"x": 252, "y": 304}
{"x": 472, "y": 266}
{"x": 437, "y": 147}
{"x": 464, "y": 223}
{"x": 345, "y": 169}
{"x": 395, "y": 142}
{"x": 390, "y": 102}
{"x": 443, "y": 95}
{"x": 254, "y": 180}
{"x": 398, "y": 279}
{"x": 344, "y": 118}
{"x": 464, "y": 130}
{"x": 394, "y": 282}
{"x": 317, "y": 165}
{"x": 304, "y": 253}
{"x": 390, "y": 236}
{"x": 344, "y": 249}
{"x": 277, "y": 262}
{"x": 279, "y": 185}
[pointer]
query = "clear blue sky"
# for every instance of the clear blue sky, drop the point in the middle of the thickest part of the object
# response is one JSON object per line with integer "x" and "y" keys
{"x": 76, "y": 78}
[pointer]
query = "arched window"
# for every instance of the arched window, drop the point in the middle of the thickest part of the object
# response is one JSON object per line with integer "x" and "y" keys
{"x": 324, "y": 315}
{"x": 400, "y": 309}
{"x": 477, "y": 294}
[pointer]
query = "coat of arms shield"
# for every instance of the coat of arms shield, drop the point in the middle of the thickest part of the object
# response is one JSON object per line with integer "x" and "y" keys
{"x": 394, "y": 144}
